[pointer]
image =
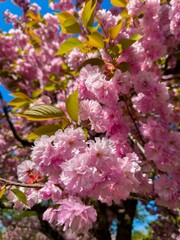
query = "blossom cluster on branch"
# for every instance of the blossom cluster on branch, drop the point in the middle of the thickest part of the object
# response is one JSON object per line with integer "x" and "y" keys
{"x": 99, "y": 81}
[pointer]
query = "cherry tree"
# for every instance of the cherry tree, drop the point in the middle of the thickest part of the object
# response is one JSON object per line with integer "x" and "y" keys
{"x": 94, "y": 123}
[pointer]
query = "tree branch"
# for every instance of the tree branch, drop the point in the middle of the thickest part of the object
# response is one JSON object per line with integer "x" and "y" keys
{"x": 18, "y": 184}
{"x": 134, "y": 122}
{"x": 137, "y": 144}
{"x": 139, "y": 196}
{"x": 133, "y": 195}
{"x": 25, "y": 143}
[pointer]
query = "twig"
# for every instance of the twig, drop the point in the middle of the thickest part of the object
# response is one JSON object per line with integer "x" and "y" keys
{"x": 135, "y": 124}
{"x": 137, "y": 144}
{"x": 18, "y": 184}
{"x": 139, "y": 196}
{"x": 25, "y": 143}
{"x": 36, "y": 185}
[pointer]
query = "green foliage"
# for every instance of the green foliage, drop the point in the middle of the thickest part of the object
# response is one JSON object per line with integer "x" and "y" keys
{"x": 124, "y": 67}
{"x": 114, "y": 31}
{"x": 72, "y": 105}
{"x": 125, "y": 43}
{"x": 37, "y": 92}
{"x": 21, "y": 100}
{"x": 48, "y": 130}
{"x": 69, "y": 24}
{"x": 2, "y": 191}
{"x": 119, "y": 3}
{"x": 20, "y": 195}
{"x": 68, "y": 45}
{"x": 42, "y": 112}
{"x": 92, "y": 61}
{"x": 96, "y": 40}
{"x": 88, "y": 13}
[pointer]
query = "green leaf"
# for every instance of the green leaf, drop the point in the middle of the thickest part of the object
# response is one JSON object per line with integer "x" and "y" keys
{"x": 71, "y": 26}
{"x": 119, "y": 3}
{"x": 42, "y": 112}
{"x": 125, "y": 43}
{"x": 72, "y": 105}
{"x": 69, "y": 23}
{"x": 50, "y": 86}
{"x": 96, "y": 40}
{"x": 36, "y": 92}
{"x": 115, "y": 50}
{"x": 68, "y": 45}
{"x": 88, "y": 13}
{"x": 93, "y": 29}
{"x": 20, "y": 95}
{"x": 124, "y": 67}
{"x": 48, "y": 130}
{"x": 20, "y": 195}
{"x": 64, "y": 123}
{"x": 2, "y": 191}
{"x": 92, "y": 61}
{"x": 136, "y": 37}
{"x": 20, "y": 100}
{"x": 114, "y": 31}
{"x": 63, "y": 16}
{"x": 124, "y": 14}
{"x": 163, "y": 1}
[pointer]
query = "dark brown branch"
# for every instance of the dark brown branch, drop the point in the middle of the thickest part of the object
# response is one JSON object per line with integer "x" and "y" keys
{"x": 25, "y": 143}
{"x": 134, "y": 122}
{"x": 139, "y": 196}
{"x": 125, "y": 220}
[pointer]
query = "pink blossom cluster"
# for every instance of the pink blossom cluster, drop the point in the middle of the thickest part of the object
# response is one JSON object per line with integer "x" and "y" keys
{"x": 80, "y": 168}
{"x": 126, "y": 139}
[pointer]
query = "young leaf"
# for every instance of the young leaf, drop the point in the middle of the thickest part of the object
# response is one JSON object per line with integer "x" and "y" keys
{"x": 96, "y": 40}
{"x": 92, "y": 61}
{"x": 20, "y": 100}
{"x": 88, "y": 13}
{"x": 71, "y": 26}
{"x": 50, "y": 86}
{"x": 63, "y": 16}
{"x": 20, "y": 195}
{"x": 2, "y": 191}
{"x": 125, "y": 43}
{"x": 119, "y": 3}
{"x": 42, "y": 112}
{"x": 68, "y": 45}
{"x": 114, "y": 31}
{"x": 136, "y": 37}
{"x": 124, "y": 67}
{"x": 48, "y": 130}
{"x": 20, "y": 95}
{"x": 36, "y": 92}
{"x": 72, "y": 105}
